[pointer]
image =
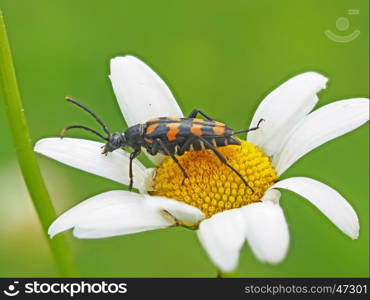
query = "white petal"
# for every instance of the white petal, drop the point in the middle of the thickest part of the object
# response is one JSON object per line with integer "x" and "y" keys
{"x": 118, "y": 213}
{"x": 283, "y": 108}
{"x": 109, "y": 214}
{"x": 271, "y": 195}
{"x": 222, "y": 236}
{"x": 320, "y": 126}
{"x": 187, "y": 214}
{"x": 86, "y": 155}
{"x": 326, "y": 199}
{"x": 266, "y": 231}
{"x": 142, "y": 95}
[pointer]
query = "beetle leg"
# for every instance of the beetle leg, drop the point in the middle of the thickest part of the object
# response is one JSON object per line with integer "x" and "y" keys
{"x": 168, "y": 152}
{"x": 223, "y": 160}
{"x": 185, "y": 146}
{"x": 133, "y": 155}
{"x": 194, "y": 113}
{"x": 154, "y": 149}
{"x": 250, "y": 129}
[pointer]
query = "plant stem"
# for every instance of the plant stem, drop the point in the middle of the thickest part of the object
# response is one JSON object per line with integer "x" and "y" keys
{"x": 26, "y": 157}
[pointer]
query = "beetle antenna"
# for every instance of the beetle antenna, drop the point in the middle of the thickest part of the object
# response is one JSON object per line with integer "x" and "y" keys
{"x": 250, "y": 129}
{"x": 64, "y": 131}
{"x": 85, "y": 108}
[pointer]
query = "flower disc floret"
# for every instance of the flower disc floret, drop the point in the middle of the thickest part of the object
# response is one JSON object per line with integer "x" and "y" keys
{"x": 212, "y": 186}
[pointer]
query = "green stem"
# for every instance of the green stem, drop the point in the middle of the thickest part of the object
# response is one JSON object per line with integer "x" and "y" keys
{"x": 26, "y": 157}
{"x": 221, "y": 274}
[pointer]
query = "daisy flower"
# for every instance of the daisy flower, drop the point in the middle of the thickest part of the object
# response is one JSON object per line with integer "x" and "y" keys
{"x": 213, "y": 200}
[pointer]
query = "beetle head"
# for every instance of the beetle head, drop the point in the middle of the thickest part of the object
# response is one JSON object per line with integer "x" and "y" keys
{"x": 115, "y": 140}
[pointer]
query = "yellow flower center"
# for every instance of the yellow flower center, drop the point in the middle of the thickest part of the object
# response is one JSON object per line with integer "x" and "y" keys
{"x": 212, "y": 186}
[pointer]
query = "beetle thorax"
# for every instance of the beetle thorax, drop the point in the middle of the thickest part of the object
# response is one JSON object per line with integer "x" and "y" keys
{"x": 134, "y": 136}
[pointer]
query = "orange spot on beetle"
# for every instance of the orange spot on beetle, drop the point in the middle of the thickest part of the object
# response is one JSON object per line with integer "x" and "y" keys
{"x": 153, "y": 120}
{"x": 218, "y": 130}
{"x": 151, "y": 128}
{"x": 196, "y": 129}
{"x": 172, "y": 132}
{"x": 219, "y": 124}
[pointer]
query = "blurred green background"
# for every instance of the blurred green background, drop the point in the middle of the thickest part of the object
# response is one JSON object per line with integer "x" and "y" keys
{"x": 219, "y": 56}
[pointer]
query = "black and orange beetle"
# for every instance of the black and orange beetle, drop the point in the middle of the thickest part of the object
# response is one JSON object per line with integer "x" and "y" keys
{"x": 170, "y": 136}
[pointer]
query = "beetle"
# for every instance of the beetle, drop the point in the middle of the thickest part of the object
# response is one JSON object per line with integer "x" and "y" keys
{"x": 171, "y": 136}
